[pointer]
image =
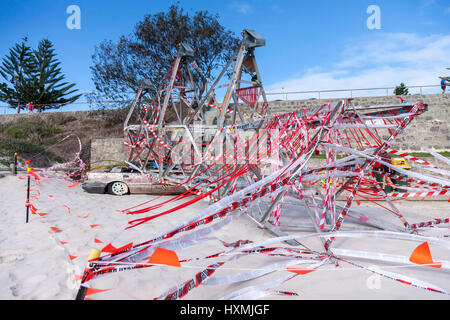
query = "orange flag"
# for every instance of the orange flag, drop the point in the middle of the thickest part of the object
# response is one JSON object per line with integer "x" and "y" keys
{"x": 90, "y": 291}
{"x": 422, "y": 255}
{"x": 166, "y": 257}
{"x": 72, "y": 257}
{"x": 300, "y": 271}
{"x": 54, "y": 229}
{"x": 109, "y": 248}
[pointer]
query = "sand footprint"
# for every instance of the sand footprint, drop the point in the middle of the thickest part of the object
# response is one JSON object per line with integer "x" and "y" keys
{"x": 10, "y": 256}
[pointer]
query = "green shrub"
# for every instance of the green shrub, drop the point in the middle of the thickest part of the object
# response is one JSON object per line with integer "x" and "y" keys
{"x": 35, "y": 130}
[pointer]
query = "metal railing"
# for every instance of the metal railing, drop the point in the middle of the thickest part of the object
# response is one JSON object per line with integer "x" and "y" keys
{"x": 387, "y": 91}
{"x": 276, "y": 96}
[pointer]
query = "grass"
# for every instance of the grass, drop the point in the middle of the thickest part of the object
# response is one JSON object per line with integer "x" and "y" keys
{"x": 413, "y": 154}
{"x": 426, "y": 154}
{"x": 29, "y": 139}
{"x": 35, "y": 129}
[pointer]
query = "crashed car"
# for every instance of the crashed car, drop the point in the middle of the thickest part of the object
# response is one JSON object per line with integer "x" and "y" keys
{"x": 120, "y": 181}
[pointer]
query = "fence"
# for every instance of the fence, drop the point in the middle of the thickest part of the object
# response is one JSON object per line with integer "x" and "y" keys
{"x": 272, "y": 96}
{"x": 351, "y": 93}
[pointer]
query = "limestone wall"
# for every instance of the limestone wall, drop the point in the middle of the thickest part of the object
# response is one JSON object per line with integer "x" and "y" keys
{"x": 430, "y": 129}
{"x": 106, "y": 149}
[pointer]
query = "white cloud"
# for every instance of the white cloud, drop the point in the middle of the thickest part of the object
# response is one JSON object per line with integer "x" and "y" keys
{"x": 241, "y": 7}
{"x": 383, "y": 60}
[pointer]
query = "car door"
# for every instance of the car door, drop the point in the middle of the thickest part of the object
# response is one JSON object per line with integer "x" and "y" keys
{"x": 137, "y": 182}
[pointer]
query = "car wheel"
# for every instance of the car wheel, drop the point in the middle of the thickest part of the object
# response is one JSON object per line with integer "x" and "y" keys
{"x": 118, "y": 188}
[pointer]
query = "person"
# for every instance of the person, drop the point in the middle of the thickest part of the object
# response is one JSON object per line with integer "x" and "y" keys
{"x": 385, "y": 169}
{"x": 443, "y": 85}
{"x": 30, "y": 107}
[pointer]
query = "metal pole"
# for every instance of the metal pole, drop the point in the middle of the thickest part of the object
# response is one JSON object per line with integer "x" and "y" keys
{"x": 28, "y": 193}
{"x": 15, "y": 164}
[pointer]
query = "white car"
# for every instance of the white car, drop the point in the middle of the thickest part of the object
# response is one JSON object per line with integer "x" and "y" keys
{"x": 125, "y": 180}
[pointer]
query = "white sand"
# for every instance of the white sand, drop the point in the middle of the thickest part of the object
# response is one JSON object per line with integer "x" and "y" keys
{"x": 34, "y": 264}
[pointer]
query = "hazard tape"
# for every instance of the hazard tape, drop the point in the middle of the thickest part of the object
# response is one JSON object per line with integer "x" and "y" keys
{"x": 411, "y": 158}
{"x": 417, "y": 194}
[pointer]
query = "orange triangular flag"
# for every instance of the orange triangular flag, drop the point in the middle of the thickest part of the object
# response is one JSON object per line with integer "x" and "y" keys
{"x": 97, "y": 241}
{"x": 90, "y": 291}
{"x": 72, "y": 257}
{"x": 54, "y": 229}
{"x": 358, "y": 203}
{"x": 422, "y": 255}
{"x": 63, "y": 242}
{"x": 33, "y": 209}
{"x": 300, "y": 271}
{"x": 42, "y": 214}
{"x": 111, "y": 249}
{"x": 94, "y": 225}
{"x": 166, "y": 257}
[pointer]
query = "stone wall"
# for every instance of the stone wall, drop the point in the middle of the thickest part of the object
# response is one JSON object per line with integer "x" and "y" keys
{"x": 430, "y": 129}
{"x": 106, "y": 149}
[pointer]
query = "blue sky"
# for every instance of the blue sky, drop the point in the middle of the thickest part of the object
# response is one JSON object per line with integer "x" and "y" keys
{"x": 310, "y": 45}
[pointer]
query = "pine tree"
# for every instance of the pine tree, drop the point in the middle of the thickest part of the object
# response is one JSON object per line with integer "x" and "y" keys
{"x": 42, "y": 81}
{"x": 15, "y": 69}
{"x": 48, "y": 85}
{"x": 401, "y": 90}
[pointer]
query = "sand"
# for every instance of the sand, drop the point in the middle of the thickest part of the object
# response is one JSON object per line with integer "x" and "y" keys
{"x": 43, "y": 259}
